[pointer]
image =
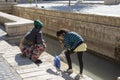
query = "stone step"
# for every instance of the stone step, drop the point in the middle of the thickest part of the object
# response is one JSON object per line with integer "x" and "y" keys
{"x": 14, "y": 39}
{"x": 2, "y": 31}
{"x": 15, "y": 25}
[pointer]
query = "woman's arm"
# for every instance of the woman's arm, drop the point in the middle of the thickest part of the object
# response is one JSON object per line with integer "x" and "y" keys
{"x": 21, "y": 43}
{"x": 39, "y": 39}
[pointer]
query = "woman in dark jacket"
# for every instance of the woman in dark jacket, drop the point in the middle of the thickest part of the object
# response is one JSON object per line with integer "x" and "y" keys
{"x": 32, "y": 44}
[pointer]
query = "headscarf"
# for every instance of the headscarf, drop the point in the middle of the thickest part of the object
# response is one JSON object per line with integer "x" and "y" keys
{"x": 38, "y": 24}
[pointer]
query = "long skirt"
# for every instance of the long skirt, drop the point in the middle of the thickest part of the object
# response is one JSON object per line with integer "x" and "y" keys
{"x": 33, "y": 52}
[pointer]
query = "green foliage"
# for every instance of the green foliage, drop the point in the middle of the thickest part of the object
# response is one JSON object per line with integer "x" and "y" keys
{"x": 16, "y": 0}
{"x": 30, "y": 1}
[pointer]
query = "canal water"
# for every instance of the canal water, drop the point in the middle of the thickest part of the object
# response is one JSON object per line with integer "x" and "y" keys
{"x": 95, "y": 66}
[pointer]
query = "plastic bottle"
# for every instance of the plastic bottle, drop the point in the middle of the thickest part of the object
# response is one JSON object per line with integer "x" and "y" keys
{"x": 57, "y": 62}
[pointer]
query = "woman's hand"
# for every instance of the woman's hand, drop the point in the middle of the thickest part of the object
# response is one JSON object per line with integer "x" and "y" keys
{"x": 21, "y": 46}
{"x": 62, "y": 44}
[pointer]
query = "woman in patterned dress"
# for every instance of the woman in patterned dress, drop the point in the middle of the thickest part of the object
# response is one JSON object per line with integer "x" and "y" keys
{"x": 32, "y": 44}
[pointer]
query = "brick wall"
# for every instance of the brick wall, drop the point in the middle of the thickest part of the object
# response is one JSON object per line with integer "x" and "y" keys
{"x": 101, "y": 33}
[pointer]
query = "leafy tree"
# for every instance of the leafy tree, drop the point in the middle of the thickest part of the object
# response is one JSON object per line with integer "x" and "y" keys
{"x": 30, "y": 1}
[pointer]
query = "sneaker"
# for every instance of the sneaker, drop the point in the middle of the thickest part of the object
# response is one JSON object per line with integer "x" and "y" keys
{"x": 79, "y": 77}
{"x": 69, "y": 71}
{"x": 38, "y": 62}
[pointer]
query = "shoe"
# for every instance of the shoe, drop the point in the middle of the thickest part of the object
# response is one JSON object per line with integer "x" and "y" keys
{"x": 38, "y": 62}
{"x": 70, "y": 71}
{"x": 79, "y": 77}
{"x": 23, "y": 55}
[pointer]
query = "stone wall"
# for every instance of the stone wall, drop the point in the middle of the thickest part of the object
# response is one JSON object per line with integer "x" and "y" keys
{"x": 7, "y": 6}
{"x": 111, "y": 2}
{"x": 101, "y": 33}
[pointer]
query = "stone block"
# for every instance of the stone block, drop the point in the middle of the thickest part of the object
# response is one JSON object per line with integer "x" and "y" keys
{"x": 15, "y": 25}
{"x": 110, "y": 2}
{"x": 14, "y": 29}
{"x": 11, "y": 30}
{"x": 118, "y": 1}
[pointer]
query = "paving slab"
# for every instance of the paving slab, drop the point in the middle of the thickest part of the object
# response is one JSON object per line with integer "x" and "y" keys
{"x": 6, "y": 72}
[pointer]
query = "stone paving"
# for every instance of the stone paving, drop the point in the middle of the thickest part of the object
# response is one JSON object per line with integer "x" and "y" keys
{"x": 27, "y": 70}
{"x": 6, "y": 72}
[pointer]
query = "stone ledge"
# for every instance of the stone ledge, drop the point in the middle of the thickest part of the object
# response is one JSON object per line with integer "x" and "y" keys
{"x": 15, "y": 25}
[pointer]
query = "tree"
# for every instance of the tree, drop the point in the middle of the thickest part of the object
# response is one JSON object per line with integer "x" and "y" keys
{"x": 30, "y": 1}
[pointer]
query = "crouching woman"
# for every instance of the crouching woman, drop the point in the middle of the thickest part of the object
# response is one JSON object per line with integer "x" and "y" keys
{"x": 32, "y": 45}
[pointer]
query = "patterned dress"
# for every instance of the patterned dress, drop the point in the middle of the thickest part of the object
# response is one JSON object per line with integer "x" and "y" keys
{"x": 32, "y": 45}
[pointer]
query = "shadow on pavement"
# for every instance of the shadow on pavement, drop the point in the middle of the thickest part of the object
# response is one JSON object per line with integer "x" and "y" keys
{"x": 22, "y": 60}
{"x": 63, "y": 74}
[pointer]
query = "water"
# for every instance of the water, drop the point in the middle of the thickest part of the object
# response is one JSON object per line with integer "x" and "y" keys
{"x": 95, "y": 67}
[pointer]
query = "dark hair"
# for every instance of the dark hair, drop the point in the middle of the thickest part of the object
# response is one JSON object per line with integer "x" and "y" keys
{"x": 58, "y": 33}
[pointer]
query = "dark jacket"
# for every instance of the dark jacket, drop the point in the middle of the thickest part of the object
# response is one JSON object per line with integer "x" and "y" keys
{"x": 34, "y": 36}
